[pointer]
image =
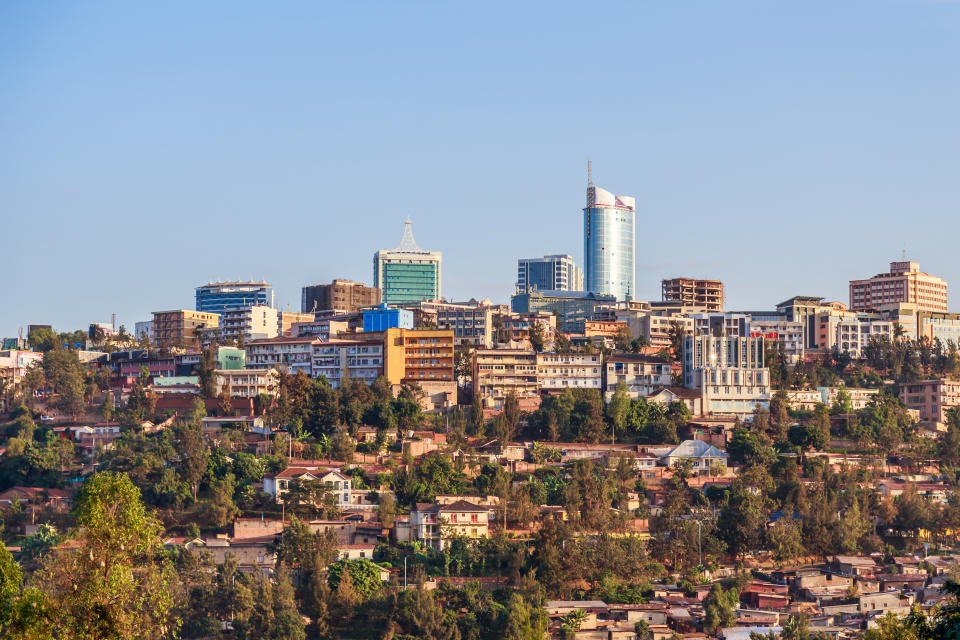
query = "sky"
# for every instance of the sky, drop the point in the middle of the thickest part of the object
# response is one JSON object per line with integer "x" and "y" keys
{"x": 781, "y": 147}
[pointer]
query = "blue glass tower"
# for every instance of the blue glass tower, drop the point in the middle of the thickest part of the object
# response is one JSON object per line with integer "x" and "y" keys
{"x": 217, "y": 297}
{"x": 609, "y": 243}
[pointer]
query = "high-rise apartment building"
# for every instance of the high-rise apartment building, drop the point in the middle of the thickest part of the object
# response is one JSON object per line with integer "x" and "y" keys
{"x": 549, "y": 273}
{"x": 256, "y": 322}
{"x": 340, "y": 296}
{"x": 408, "y": 273}
{"x": 217, "y": 297}
{"x": 609, "y": 243}
{"x": 180, "y": 326}
{"x": 729, "y": 372}
{"x": 904, "y": 283}
{"x": 702, "y": 294}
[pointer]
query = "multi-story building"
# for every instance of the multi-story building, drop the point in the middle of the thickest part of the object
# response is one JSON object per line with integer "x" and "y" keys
{"x": 340, "y": 296}
{"x": 904, "y": 283}
{"x": 516, "y": 326}
{"x": 287, "y": 319}
{"x": 471, "y": 321}
{"x": 931, "y": 398}
{"x": 721, "y": 324}
{"x": 609, "y": 243}
{"x": 854, "y": 334}
{"x": 499, "y": 372}
{"x": 550, "y": 273}
{"x": 559, "y": 371}
{"x": 790, "y": 334}
{"x": 13, "y": 367}
{"x": 247, "y": 383}
{"x": 329, "y": 326}
{"x": 178, "y": 328}
{"x": 408, "y": 273}
{"x": 703, "y": 294}
{"x": 339, "y": 485}
{"x": 805, "y": 309}
{"x": 217, "y": 297}
{"x": 436, "y": 524}
{"x": 294, "y": 354}
{"x": 337, "y": 360}
{"x": 256, "y": 322}
{"x": 641, "y": 374}
{"x": 384, "y": 317}
{"x": 573, "y": 308}
{"x": 729, "y": 371}
{"x": 143, "y": 330}
{"x": 656, "y": 325}
{"x": 917, "y": 324}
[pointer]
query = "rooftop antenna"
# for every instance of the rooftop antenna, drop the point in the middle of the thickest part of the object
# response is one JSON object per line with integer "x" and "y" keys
{"x": 904, "y": 254}
{"x": 589, "y": 173}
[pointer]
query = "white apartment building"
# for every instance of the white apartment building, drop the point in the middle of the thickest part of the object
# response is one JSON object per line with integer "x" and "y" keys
{"x": 337, "y": 483}
{"x": 254, "y": 323}
{"x": 789, "y": 333}
{"x": 854, "y": 335}
{"x": 247, "y": 383}
{"x": 729, "y": 371}
{"x": 655, "y": 328}
{"x": 339, "y": 359}
{"x": 559, "y": 371}
{"x": 436, "y": 524}
{"x": 293, "y": 353}
{"x": 642, "y": 375}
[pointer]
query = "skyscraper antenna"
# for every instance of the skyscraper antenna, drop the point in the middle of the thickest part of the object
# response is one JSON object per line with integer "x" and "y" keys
{"x": 589, "y": 173}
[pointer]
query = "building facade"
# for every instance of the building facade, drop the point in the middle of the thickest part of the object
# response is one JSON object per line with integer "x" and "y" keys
{"x": 295, "y": 354}
{"x": 609, "y": 244}
{"x": 257, "y": 322}
{"x": 573, "y": 308}
{"x": 384, "y": 317}
{"x": 789, "y": 334}
{"x": 704, "y": 294}
{"x": 932, "y": 399}
{"x": 853, "y": 335}
{"x": 641, "y": 375}
{"x": 180, "y": 326}
{"x": 436, "y": 524}
{"x": 550, "y": 273}
{"x": 559, "y": 371}
{"x": 407, "y": 274}
{"x": 499, "y": 372}
{"x": 247, "y": 383}
{"x": 471, "y": 322}
{"x": 729, "y": 371}
{"x": 217, "y": 297}
{"x": 904, "y": 283}
{"x": 340, "y": 296}
{"x": 360, "y": 360}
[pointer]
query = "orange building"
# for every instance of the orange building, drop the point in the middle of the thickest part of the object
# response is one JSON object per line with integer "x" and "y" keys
{"x": 904, "y": 283}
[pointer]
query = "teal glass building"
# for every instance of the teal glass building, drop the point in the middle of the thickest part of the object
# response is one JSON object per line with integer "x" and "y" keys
{"x": 609, "y": 244}
{"x": 407, "y": 274}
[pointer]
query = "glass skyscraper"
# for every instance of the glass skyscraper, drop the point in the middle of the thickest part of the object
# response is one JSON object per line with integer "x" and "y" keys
{"x": 549, "y": 273}
{"x": 408, "y": 273}
{"x": 609, "y": 243}
{"x": 217, "y": 297}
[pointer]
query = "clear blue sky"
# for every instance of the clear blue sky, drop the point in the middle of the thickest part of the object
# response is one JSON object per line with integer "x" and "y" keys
{"x": 781, "y": 147}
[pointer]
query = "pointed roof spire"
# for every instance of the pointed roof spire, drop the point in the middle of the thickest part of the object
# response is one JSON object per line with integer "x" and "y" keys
{"x": 407, "y": 243}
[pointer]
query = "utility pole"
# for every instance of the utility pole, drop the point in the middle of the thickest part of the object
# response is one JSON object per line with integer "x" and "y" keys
{"x": 699, "y": 542}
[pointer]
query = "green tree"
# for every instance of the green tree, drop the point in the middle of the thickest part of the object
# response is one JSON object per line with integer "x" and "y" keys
{"x": 24, "y": 613}
{"x": 720, "y": 608}
{"x": 538, "y": 336}
{"x": 364, "y": 576}
{"x": 118, "y": 583}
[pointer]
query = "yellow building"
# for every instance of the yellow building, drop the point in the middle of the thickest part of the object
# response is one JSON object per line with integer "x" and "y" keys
{"x": 179, "y": 327}
{"x": 421, "y": 356}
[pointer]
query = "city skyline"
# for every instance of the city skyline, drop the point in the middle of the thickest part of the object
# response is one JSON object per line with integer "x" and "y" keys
{"x": 836, "y": 148}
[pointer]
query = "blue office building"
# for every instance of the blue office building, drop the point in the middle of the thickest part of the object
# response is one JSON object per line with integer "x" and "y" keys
{"x": 217, "y": 297}
{"x": 384, "y": 317}
{"x": 609, "y": 244}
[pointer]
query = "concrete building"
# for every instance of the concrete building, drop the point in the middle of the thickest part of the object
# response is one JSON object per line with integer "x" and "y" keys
{"x": 178, "y": 328}
{"x": 904, "y": 283}
{"x": 735, "y": 325}
{"x": 550, "y": 273}
{"x": 641, "y": 374}
{"x": 702, "y": 294}
{"x": 790, "y": 334}
{"x": 287, "y": 319}
{"x": 917, "y": 323}
{"x": 329, "y": 326}
{"x": 436, "y": 524}
{"x": 143, "y": 330}
{"x": 256, "y": 322}
{"x": 339, "y": 485}
{"x": 516, "y": 326}
{"x": 931, "y": 398}
{"x": 340, "y": 296}
{"x": 854, "y": 335}
{"x": 573, "y": 308}
{"x": 408, "y": 273}
{"x": 360, "y": 360}
{"x": 609, "y": 243}
{"x": 247, "y": 383}
{"x": 559, "y": 371}
{"x": 424, "y": 357}
{"x": 730, "y": 373}
{"x": 384, "y": 317}
{"x": 471, "y": 321}
{"x": 804, "y": 309}
{"x": 499, "y": 372}
{"x": 217, "y": 297}
{"x": 653, "y": 324}
{"x": 295, "y": 354}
